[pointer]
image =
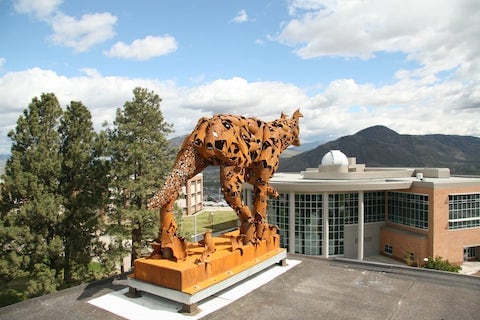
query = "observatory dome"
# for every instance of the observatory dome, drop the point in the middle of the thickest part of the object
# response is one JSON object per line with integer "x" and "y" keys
{"x": 334, "y": 158}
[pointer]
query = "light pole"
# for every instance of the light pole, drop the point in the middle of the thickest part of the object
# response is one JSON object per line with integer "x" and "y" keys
{"x": 211, "y": 215}
{"x": 195, "y": 226}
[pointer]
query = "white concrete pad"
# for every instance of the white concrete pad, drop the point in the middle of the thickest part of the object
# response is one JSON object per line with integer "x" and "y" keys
{"x": 149, "y": 306}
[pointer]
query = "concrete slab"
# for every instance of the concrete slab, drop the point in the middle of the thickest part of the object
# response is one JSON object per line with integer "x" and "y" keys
{"x": 470, "y": 267}
{"x": 150, "y": 306}
{"x": 316, "y": 288}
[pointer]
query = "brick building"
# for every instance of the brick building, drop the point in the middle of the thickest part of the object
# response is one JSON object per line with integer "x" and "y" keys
{"x": 191, "y": 195}
{"x": 406, "y": 213}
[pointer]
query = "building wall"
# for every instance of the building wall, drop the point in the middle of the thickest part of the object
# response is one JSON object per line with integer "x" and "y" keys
{"x": 409, "y": 234}
{"x": 438, "y": 240}
{"x": 191, "y": 199}
{"x": 449, "y": 244}
{"x": 402, "y": 241}
{"x": 371, "y": 239}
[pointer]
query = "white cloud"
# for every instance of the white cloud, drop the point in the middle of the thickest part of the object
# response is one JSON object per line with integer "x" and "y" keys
{"x": 40, "y": 9}
{"x": 2, "y": 62}
{"x": 144, "y": 49}
{"x": 83, "y": 33}
{"x": 438, "y": 35}
{"x": 240, "y": 17}
{"x": 300, "y": 5}
{"x": 342, "y": 108}
{"x": 237, "y": 95}
{"x": 79, "y": 34}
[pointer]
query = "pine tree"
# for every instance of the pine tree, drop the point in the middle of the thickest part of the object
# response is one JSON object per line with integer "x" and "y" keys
{"x": 31, "y": 206}
{"x": 83, "y": 185}
{"x": 141, "y": 158}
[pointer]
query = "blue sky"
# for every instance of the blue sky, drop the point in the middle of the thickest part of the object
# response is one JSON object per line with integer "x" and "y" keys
{"x": 413, "y": 66}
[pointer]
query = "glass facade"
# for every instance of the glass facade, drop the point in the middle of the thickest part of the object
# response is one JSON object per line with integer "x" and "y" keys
{"x": 463, "y": 211}
{"x": 308, "y": 224}
{"x": 374, "y": 206}
{"x": 277, "y": 214}
{"x": 409, "y": 209}
{"x": 342, "y": 210}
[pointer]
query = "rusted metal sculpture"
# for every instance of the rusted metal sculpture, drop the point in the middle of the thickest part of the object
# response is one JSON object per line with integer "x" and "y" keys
{"x": 246, "y": 150}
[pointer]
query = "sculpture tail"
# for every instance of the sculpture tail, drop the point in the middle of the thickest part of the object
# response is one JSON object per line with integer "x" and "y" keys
{"x": 183, "y": 169}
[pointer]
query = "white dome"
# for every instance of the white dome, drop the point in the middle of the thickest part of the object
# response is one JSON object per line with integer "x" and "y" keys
{"x": 334, "y": 158}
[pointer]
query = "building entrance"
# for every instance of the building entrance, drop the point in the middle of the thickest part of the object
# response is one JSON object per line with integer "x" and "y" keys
{"x": 471, "y": 253}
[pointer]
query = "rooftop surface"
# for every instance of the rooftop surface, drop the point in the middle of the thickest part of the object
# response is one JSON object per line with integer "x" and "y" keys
{"x": 309, "y": 288}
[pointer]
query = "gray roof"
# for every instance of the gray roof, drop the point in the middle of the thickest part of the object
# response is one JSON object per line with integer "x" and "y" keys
{"x": 315, "y": 288}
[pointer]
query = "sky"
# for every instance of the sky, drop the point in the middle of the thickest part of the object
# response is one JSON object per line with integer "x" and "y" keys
{"x": 413, "y": 66}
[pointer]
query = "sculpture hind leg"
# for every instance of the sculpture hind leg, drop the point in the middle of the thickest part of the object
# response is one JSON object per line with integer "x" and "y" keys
{"x": 259, "y": 176}
{"x": 232, "y": 178}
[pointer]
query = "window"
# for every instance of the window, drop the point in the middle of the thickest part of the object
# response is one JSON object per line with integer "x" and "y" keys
{"x": 342, "y": 207}
{"x": 464, "y": 211}
{"x": 388, "y": 249}
{"x": 409, "y": 209}
{"x": 277, "y": 214}
{"x": 308, "y": 224}
{"x": 345, "y": 205}
{"x": 374, "y": 205}
{"x": 469, "y": 253}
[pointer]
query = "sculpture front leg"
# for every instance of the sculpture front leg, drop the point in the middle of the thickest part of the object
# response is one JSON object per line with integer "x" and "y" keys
{"x": 170, "y": 245}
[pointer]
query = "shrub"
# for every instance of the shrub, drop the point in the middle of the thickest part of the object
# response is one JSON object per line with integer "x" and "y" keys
{"x": 443, "y": 265}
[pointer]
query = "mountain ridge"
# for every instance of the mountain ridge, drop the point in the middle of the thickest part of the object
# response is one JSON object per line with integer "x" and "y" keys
{"x": 381, "y": 146}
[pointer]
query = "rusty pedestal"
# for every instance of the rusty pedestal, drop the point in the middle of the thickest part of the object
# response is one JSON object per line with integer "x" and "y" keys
{"x": 191, "y": 281}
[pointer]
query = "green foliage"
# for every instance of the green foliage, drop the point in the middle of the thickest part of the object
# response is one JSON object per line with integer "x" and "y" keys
{"x": 14, "y": 291}
{"x": 53, "y": 189}
{"x": 141, "y": 156}
{"x": 31, "y": 204}
{"x": 10, "y": 296}
{"x": 96, "y": 270}
{"x": 61, "y": 180}
{"x": 42, "y": 280}
{"x": 439, "y": 264}
{"x": 83, "y": 184}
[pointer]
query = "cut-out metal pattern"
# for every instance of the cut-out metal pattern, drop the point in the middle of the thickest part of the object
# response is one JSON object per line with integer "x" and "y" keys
{"x": 246, "y": 150}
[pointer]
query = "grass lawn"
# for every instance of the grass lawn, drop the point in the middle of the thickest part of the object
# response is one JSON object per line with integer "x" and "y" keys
{"x": 215, "y": 220}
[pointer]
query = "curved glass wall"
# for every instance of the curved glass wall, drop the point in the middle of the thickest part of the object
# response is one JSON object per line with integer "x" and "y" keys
{"x": 277, "y": 214}
{"x": 309, "y": 227}
{"x": 308, "y": 224}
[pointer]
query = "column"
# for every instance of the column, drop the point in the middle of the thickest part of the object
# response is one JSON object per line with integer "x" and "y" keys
{"x": 248, "y": 198}
{"x": 291, "y": 222}
{"x": 361, "y": 226}
{"x": 326, "y": 230}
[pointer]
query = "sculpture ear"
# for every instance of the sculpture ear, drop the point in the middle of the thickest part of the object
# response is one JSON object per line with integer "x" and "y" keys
{"x": 283, "y": 116}
{"x": 297, "y": 114}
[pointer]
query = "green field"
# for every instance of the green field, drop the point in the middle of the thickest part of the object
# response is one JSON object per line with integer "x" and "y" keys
{"x": 215, "y": 220}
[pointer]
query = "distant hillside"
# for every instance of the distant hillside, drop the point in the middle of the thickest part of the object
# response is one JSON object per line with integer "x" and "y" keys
{"x": 177, "y": 141}
{"x": 380, "y": 146}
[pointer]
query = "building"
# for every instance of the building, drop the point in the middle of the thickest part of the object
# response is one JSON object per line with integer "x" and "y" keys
{"x": 408, "y": 214}
{"x": 191, "y": 195}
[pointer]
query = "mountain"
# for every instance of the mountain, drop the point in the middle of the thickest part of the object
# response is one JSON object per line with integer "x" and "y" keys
{"x": 379, "y": 146}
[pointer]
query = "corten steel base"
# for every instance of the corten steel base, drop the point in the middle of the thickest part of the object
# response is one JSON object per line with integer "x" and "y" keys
{"x": 189, "y": 282}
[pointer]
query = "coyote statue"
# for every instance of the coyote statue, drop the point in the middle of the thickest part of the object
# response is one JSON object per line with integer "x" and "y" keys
{"x": 246, "y": 150}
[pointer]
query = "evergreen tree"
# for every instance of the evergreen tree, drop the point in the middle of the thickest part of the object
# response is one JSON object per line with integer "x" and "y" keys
{"x": 83, "y": 185}
{"x": 141, "y": 158}
{"x": 31, "y": 206}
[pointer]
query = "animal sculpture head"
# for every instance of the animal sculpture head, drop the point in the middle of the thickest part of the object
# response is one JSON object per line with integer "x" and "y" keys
{"x": 290, "y": 127}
